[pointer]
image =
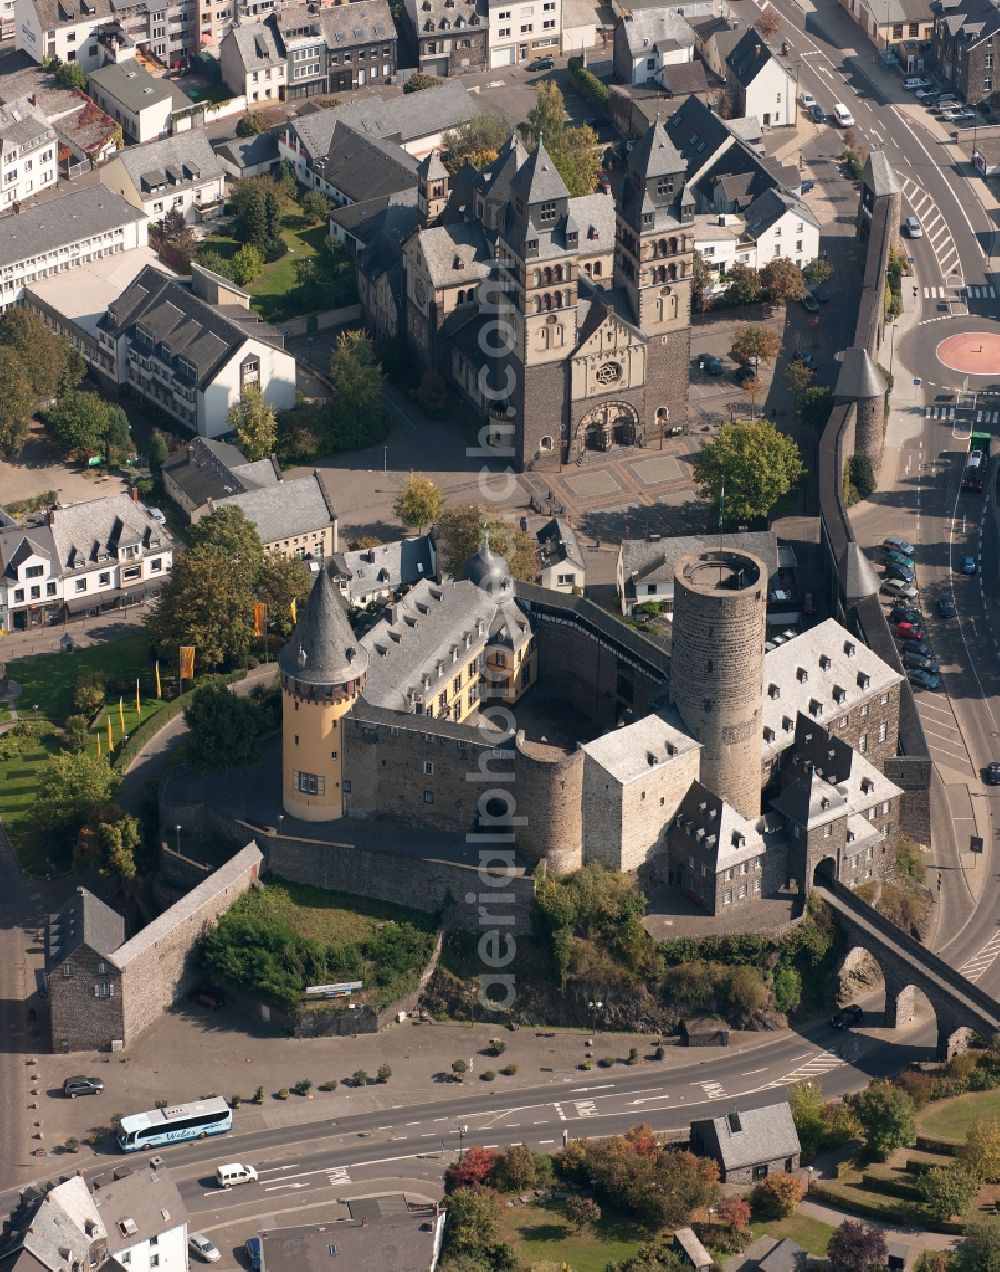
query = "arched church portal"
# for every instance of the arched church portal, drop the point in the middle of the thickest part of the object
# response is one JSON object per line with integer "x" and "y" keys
{"x": 606, "y": 426}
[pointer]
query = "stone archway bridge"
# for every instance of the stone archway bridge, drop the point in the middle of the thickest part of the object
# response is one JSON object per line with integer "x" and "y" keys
{"x": 962, "y": 1008}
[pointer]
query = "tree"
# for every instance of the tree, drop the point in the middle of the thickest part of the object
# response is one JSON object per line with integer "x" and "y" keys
{"x": 250, "y": 124}
{"x": 856, "y": 1247}
{"x": 815, "y": 407}
{"x": 251, "y": 216}
{"x": 223, "y": 730}
{"x": 947, "y": 1190}
{"x": 71, "y": 75}
{"x": 582, "y": 1212}
{"x": 69, "y": 790}
{"x": 174, "y": 227}
{"x": 159, "y": 451}
{"x": 755, "y": 342}
{"x": 78, "y": 422}
{"x": 431, "y": 394}
{"x": 520, "y": 1168}
{"x": 752, "y": 389}
{"x": 753, "y": 463}
{"x": 229, "y": 530}
{"x": 817, "y": 271}
{"x": 981, "y": 1152}
{"x": 417, "y": 83}
{"x": 90, "y": 693}
{"x": 458, "y": 1068}
{"x": 472, "y": 1224}
{"x": 40, "y": 349}
{"x": 979, "y": 1250}
{"x": 701, "y": 281}
{"x": 118, "y": 436}
{"x": 357, "y": 386}
{"x": 481, "y": 135}
{"x": 383, "y": 1073}
{"x": 473, "y": 1170}
{"x": 734, "y": 1212}
{"x": 75, "y": 732}
{"x": 283, "y": 580}
{"x": 768, "y": 22}
{"x": 572, "y": 150}
{"x": 787, "y": 987}
{"x": 17, "y": 403}
{"x": 419, "y": 503}
{"x": 743, "y": 285}
{"x": 315, "y": 205}
{"x": 806, "y": 1100}
{"x": 247, "y": 264}
{"x": 207, "y": 603}
{"x": 783, "y": 280}
{"x": 799, "y": 377}
{"x": 119, "y": 836}
{"x": 657, "y": 1255}
{"x": 459, "y": 533}
{"x": 254, "y": 422}
{"x": 886, "y": 1116}
{"x": 776, "y": 1196}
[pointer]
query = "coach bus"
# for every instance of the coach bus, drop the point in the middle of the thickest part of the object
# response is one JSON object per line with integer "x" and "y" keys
{"x": 211, "y": 1116}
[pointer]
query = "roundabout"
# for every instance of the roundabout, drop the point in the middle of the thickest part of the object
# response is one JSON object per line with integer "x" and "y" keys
{"x": 971, "y": 352}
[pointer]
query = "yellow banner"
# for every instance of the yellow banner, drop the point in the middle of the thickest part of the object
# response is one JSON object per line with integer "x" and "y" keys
{"x": 97, "y": 739}
{"x": 258, "y": 618}
{"x": 187, "y": 662}
{"x": 138, "y": 704}
{"x": 294, "y": 611}
{"x": 159, "y": 687}
{"x": 121, "y": 713}
{"x": 111, "y": 738}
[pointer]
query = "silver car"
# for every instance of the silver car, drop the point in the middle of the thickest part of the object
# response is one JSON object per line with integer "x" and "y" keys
{"x": 912, "y": 228}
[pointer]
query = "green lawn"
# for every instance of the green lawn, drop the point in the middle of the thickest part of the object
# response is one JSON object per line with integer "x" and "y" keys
{"x": 48, "y": 680}
{"x": 271, "y": 290}
{"x": 333, "y": 916}
{"x": 18, "y": 779}
{"x": 951, "y": 1119}
{"x": 811, "y": 1234}
{"x": 540, "y": 1233}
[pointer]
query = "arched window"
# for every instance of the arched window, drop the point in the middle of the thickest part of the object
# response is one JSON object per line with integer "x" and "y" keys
{"x": 597, "y": 269}
{"x": 538, "y": 278}
{"x": 547, "y": 301}
{"x": 673, "y": 247}
{"x": 545, "y": 444}
{"x": 558, "y": 274}
{"x": 538, "y": 304}
{"x": 671, "y": 273}
{"x": 558, "y": 300}
{"x": 548, "y": 275}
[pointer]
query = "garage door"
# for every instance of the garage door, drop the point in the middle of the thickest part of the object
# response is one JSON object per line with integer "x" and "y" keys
{"x": 502, "y": 57}
{"x": 435, "y": 66}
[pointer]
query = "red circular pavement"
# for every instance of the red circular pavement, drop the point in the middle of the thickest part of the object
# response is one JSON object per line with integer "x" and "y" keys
{"x": 971, "y": 352}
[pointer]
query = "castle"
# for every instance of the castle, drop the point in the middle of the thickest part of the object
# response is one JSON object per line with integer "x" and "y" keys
{"x": 727, "y": 771}
{"x": 564, "y": 320}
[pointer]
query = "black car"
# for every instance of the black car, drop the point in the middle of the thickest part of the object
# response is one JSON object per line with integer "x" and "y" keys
{"x": 542, "y": 64}
{"x": 946, "y": 609}
{"x": 991, "y": 773}
{"x": 847, "y": 1016}
{"x": 73, "y": 1087}
{"x": 899, "y": 572}
{"x": 712, "y": 365}
{"x": 905, "y": 614}
{"x": 743, "y": 374}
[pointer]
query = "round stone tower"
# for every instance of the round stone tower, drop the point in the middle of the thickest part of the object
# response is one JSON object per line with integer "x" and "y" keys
{"x": 322, "y": 673}
{"x": 717, "y": 667}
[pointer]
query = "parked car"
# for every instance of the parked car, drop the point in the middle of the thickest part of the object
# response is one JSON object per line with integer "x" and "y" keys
{"x": 969, "y": 565}
{"x": 807, "y": 185}
{"x": 206, "y": 1250}
{"x": 810, "y": 304}
{"x": 207, "y": 998}
{"x": 945, "y": 98}
{"x": 806, "y": 358}
{"x": 918, "y": 663}
{"x": 927, "y": 95}
{"x": 905, "y": 614}
{"x": 961, "y": 117}
{"x": 991, "y": 773}
{"x": 912, "y": 228}
{"x": 923, "y": 679}
{"x": 946, "y": 609}
{"x": 919, "y": 647}
{"x": 900, "y": 590}
{"x": 157, "y": 514}
{"x": 898, "y": 545}
{"x": 542, "y": 64}
{"x": 893, "y": 571}
{"x": 847, "y": 1016}
{"x": 743, "y": 374}
{"x": 254, "y": 1257}
{"x": 713, "y": 365}
{"x": 817, "y": 114}
{"x": 843, "y": 116}
{"x": 909, "y": 631}
{"x": 808, "y": 101}
{"x": 73, "y": 1087}
{"x": 913, "y": 82}
{"x": 899, "y": 558}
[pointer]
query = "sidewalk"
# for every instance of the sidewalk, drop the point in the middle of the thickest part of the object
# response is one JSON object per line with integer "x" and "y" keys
{"x": 914, "y": 1238}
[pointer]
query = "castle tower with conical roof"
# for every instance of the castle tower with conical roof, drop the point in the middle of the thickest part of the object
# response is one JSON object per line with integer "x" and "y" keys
{"x": 323, "y": 671}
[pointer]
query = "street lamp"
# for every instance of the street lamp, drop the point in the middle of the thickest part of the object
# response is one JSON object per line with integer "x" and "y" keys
{"x": 595, "y": 1007}
{"x": 281, "y": 818}
{"x": 463, "y": 1130}
{"x": 177, "y": 828}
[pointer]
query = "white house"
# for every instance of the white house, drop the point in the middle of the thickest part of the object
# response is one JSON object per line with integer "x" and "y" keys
{"x": 187, "y": 356}
{"x": 181, "y": 172}
{"x": 648, "y": 40}
{"x": 252, "y": 63}
{"x": 560, "y": 560}
{"x": 146, "y": 107}
{"x": 519, "y": 33}
{"x": 86, "y": 558}
{"x": 88, "y": 31}
{"x": 60, "y": 234}
{"x": 777, "y": 223}
{"x": 762, "y": 84}
{"x": 28, "y": 152}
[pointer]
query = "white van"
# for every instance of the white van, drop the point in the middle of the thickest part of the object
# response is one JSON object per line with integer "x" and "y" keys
{"x": 843, "y": 116}
{"x": 235, "y": 1173}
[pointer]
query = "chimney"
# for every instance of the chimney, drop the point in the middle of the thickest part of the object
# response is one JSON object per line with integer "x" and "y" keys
{"x": 134, "y": 492}
{"x": 52, "y": 517}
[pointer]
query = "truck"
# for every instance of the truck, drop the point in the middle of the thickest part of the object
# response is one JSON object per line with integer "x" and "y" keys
{"x": 977, "y": 461}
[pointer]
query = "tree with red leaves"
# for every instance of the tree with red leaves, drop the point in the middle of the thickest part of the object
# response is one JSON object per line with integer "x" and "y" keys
{"x": 733, "y": 1212}
{"x": 855, "y": 1247}
{"x": 473, "y": 1170}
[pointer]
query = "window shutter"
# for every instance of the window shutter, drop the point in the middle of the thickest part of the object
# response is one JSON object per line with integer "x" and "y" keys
{"x": 111, "y": 989}
{"x": 97, "y": 991}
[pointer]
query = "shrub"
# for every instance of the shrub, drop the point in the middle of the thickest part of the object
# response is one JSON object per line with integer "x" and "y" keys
{"x": 235, "y": 1101}
{"x": 258, "y": 1095}
{"x": 488, "y": 1075}
{"x": 496, "y": 1047}
{"x": 384, "y": 1073}
{"x": 862, "y": 475}
{"x": 72, "y": 1145}
{"x": 329, "y": 1085}
{"x": 89, "y": 694}
{"x": 359, "y": 1078}
{"x": 659, "y": 1052}
{"x": 585, "y": 1064}
{"x": 509, "y": 1070}
{"x": 606, "y": 1062}
{"x": 633, "y": 1055}
{"x": 303, "y": 1086}
{"x": 160, "y": 1104}
{"x": 776, "y": 1197}
{"x": 459, "y": 1067}
{"x": 282, "y": 1094}
{"x": 733, "y": 1212}
{"x": 918, "y": 1086}
{"x": 74, "y": 732}
{"x": 249, "y": 125}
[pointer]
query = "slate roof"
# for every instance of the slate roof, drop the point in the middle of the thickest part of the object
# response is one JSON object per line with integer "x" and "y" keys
{"x": 57, "y": 1235}
{"x": 650, "y": 30}
{"x": 381, "y": 1242}
{"x": 768, "y": 209}
{"x": 83, "y": 920}
{"x": 859, "y": 378}
{"x": 538, "y": 179}
{"x": 557, "y": 542}
{"x": 365, "y": 167}
{"x": 725, "y": 835}
{"x": 832, "y": 780}
{"x": 169, "y": 312}
{"x": 341, "y": 26}
{"x": 744, "y": 176}
{"x": 134, "y": 87}
{"x": 655, "y": 154}
{"x": 208, "y": 469}
{"x": 248, "y": 152}
{"x": 749, "y": 57}
{"x": 22, "y": 125}
{"x": 456, "y": 253}
{"x": 322, "y": 649}
{"x": 147, "y": 1195}
{"x": 54, "y": 223}
{"x": 17, "y": 543}
{"x": 54, "y": 14}
{"x": 87, "y": 534}
{"x": 879, "y": 174}
{"x": 256, "y": 43}
{"x": 653, "y": 561}
{"x": 179, "y": 162}
{"x": 697, "y": 133}
{"x": 786, "y": 1256}
{"x": 629, "y": 753}
{"x": 680, "y": 78}
{"x": 389, "y": 566}
{"x": 763, "y": 1135}
{"x": 284, "y": 509}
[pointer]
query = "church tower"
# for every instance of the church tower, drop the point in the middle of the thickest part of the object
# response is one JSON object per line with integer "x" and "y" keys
{"x": 322, "y": 673}
{"x": 654, "y": 262}
{"x": 432, "y": 189}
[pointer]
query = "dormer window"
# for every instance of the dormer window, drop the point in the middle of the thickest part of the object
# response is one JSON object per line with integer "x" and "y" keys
{"x": 849, "y": 648}
{"x": 773, "y": 692}
{"x": 824, "y": 662}
{"x": 665, "y": 185}
{"x": 864, "y": 680}
{"x": 801, "y": 675}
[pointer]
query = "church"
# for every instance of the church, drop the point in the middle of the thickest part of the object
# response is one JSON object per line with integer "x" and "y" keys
{"x": 564, "y": 321}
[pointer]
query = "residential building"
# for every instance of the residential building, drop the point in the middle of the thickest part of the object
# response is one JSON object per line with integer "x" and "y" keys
{"x": 206, "y": 471}
{"x": 519, "y": 33}
{"x": 560, "y": 559}
{"x": 61, "y": 234}
{"x": 388, "y": 1233}
{"x": 250, "y": 156}
{"x": 130, "y": 1217}
{"x": 368, "y": 576}
{"x": 749, "y": 1145}
{"x": 715, "y": 38}
{"x": 192, "y": 358}
{"x": 761, "y": 83}
{"x": 333, "y": 49}
{"x": 580, "y": 25}
{"x": 90, "y": 32}
{"x": 293, "y": 516}
{"x": 218, "y": 16}
{"x": 86, "y": 558}
{"x": 649, "y": 40}
{"x": 775, "y": 224}
{"x": 253, "y": 62}
{"x": 146, "y": 107}
{"x": 645, "y": 570}
{"x": 28, "y": 152}
{"x": 181, "y": 173}
{"x": 452, "y": 36}
{"x": 356, "y": 168}
{"x": 891, "y": 25}
{"x": 378, "y": 236}
{"x": 966, "y": 41}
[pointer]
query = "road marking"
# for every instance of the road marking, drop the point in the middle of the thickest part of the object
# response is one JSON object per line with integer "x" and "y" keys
{"x": 265, "y": 1170}
{"x": 558, "y": 1109}
{"x": 712, "y": 1090}
{"x": 605, "y": 1086}
{"x": 750, "y": 1073}
{"x": 546, "y": 1141}
{"x": 979, "y": 963}
{"x": 275, "y": 1186}
{"x": 585, "y": 1108}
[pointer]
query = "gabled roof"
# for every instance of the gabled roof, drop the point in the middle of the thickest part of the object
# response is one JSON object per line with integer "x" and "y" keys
{"x": 389, "y": 566}
{"x": 654, "y": 30}
{"x": 86, "y": 534}
{"x": 65, "y": 1226}
{"x": 857, "y": 574}
{"x": 680, "y": 78}
{"x": 749, "y": 57}
{"x": 256, "y": 43}
{"x": 208, "y": 469}
{"x": 653, "y": 560}
{"x": 654, "y": 154}
{"x": 719, "y": 831}
{"x": 341, "y": 26}
{"x": 538, "y": 179}
{"x": 366, "y": 167}
{"x": 557, "y": 542}
{"x": 72, "y": 218}
{"x": 178, "y": 162}
{"x": 146, "y": 1195}
{"x": 322, "y": 649}
{"x": 754, "y": 1135}
{"x": 16, "y": 547}
{"x": 698, "y": 133}
{"x": 83, "y": 920}
{"x": 629, "y": 753}
{"x": 455, "y": 254}
{"x": 768, "y": 209}
{"x": 286, "y": 508}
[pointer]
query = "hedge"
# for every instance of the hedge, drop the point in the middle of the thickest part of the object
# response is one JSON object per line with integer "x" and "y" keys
{"x": 902, "y": 1214}
{"x": 928, "y": 1144}
{"x": 139, "y": 736}
{"x": 890, "y": 1187}
{"x": 590, "y": 85}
